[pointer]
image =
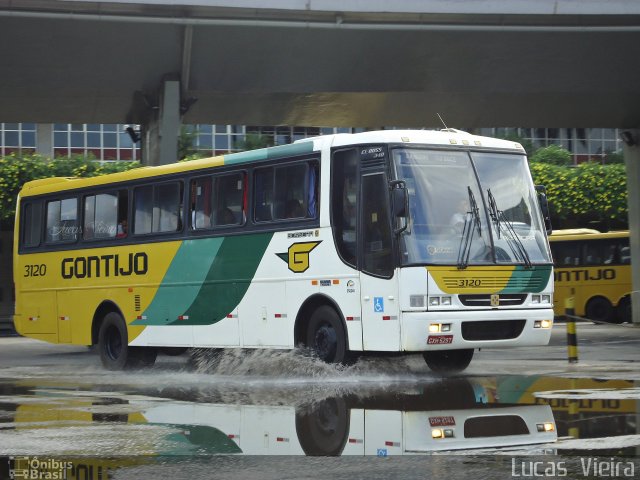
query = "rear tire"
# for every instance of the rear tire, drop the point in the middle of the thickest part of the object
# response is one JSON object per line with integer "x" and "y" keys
{"x": 623, "y": 311}
{"x": 448, "y": 361}
{"x": 599, "y": 309}
{"x": 326, "y": 336}
{"x": 113, "y": 344}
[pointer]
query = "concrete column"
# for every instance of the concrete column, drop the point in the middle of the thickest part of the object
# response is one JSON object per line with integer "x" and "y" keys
{"x": 160, "y": 133}
{"x": 44, "y": 139}
{"x": 632, "y": 162}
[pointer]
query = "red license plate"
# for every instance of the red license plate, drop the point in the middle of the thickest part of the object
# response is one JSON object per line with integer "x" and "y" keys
{"x": 442, "y": 421}
{"x": 439, "y": 339}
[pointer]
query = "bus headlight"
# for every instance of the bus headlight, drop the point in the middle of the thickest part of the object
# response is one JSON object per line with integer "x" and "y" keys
{"x": 437, "y": 433}
{"x": 437, "y": 301}
{"x": 541, "y": 299}
{"x": 546, "y": 427}
{"x": 542, "y": 324}
{"x": 439, "y": 327}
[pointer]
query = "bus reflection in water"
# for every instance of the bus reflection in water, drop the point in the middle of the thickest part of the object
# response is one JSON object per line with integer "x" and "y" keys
{"x": 446, "y": 414}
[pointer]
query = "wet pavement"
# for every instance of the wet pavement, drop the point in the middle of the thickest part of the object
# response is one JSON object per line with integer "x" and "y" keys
{"x": 280, "y": 414}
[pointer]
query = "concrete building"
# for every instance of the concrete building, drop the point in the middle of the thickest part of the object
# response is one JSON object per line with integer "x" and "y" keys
{"x": 112, "y": 142}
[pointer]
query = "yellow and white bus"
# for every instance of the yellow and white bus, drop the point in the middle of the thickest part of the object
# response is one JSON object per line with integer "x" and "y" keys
{"x": 595, "y": 269}
{"x": 341, "y": 243}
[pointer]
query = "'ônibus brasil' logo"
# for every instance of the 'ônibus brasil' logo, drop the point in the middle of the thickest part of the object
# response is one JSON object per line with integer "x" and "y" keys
{"x": 297, "y": 256}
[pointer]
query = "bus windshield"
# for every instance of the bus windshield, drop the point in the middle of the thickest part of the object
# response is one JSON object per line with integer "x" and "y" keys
{"x": 469, "y": 209}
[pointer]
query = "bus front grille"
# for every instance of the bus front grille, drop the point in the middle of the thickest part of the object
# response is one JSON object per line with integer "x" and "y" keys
{"x": 492, "y": 329}
{"x": 506, "y": 300}
{"x": 495, "y": 426}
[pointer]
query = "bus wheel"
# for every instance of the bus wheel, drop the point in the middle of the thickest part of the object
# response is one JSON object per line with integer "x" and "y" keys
{"x": 323, "y": 429}
{"x": 326, "y": 336}
{"x": 599, "y": 309}
{"x": 115, "y": 352}
{"x": 623, "y": 311}
{"x": 448, "y": 361}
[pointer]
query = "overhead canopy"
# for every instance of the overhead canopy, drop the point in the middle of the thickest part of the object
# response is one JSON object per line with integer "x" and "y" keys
{"x": 347, "y": 63}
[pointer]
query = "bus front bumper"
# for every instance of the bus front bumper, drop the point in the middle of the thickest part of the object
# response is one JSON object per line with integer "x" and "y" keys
{"x": 423, "y": 331}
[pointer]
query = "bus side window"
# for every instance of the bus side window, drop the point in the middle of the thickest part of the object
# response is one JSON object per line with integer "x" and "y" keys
{"x": 105, "y": 215}
{"x": 312, "y": 203}
{"x": 62, "y": 216}
{"x": 201, "y": 203}
{"x": 376, "y": 228}
{"x": 263, "y": 191}
{"x": 158, "y": 208}
{"x": 625, "y": 255}
{"x": 290, "y": 187}
{"x": 32, "y": 224}
{"x": 344, "y": 203}
{"x": 229, "y": 199}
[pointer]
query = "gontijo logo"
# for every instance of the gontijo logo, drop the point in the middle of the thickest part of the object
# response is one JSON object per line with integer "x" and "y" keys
{"x": 297, "y": 256}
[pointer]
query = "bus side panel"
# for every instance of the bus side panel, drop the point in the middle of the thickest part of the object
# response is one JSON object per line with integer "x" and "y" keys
{"x": 583, "y": 283}
{"x": 36, "y": 316}
{"x": 35, "y": 297}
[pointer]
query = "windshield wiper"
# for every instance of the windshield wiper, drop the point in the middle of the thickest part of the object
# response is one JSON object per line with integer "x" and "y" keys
{"x": 513, "y": 240}
{"x": 471, "y": 220}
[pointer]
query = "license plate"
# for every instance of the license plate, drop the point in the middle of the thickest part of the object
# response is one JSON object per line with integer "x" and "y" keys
{"x": 439, "y": 339}
{"x": 442, "y": 421}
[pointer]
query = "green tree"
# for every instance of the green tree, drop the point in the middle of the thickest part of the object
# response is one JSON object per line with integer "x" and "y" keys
{"x": 186, "y": 142}
{"x": 614, "y": 157}
{"x": 253, "y": 141}
{"x": 590, "y": 194}
{"x": 16, "y": 170}
{"x": 553, "y": 155}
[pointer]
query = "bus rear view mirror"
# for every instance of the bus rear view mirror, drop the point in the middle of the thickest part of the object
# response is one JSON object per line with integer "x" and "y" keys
{"x": 544, "y": 207}
{"x": 399, "y": 203}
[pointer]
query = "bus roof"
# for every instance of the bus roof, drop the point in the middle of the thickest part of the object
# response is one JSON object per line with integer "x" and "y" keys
{"x": 449, "y": 137}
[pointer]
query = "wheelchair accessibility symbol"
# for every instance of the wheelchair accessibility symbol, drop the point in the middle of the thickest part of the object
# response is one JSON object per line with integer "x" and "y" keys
{"x": 378, "y": 304}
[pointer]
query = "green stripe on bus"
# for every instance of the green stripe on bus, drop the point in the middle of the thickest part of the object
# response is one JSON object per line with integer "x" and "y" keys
{"x": 206, "y": 280}
{"x": 182, "y": 281}
{"x": 228, "y": 279}
{"x": 533, "y": 279}
{"x": 269, "y": 153}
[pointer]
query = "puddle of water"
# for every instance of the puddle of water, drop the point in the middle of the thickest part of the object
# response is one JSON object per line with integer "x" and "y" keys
{"x": 288, "y": 403}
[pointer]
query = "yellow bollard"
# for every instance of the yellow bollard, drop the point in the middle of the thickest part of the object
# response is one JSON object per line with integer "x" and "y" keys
{"x": 574, "y": 414}
{"x": 572, "y": 339}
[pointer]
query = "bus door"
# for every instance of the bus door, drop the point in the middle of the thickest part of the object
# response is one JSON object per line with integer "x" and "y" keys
{"x": 378, "y": 285}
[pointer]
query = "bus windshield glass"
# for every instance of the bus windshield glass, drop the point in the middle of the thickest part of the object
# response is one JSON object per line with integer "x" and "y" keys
{"x": 469, "y": 209}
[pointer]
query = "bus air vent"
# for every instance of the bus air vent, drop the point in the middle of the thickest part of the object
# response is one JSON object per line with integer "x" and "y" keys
{"x": 495, "y": 426}
{"x": 506, "y": 300}
{"x": 492, "y": 329}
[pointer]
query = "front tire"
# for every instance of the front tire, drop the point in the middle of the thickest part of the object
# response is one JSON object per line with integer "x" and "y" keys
{"x": 326, "y": 336}
{"x": 113, "y": 344}
{"x": 448, "y": 361}
{"x": 324, "y": 429}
